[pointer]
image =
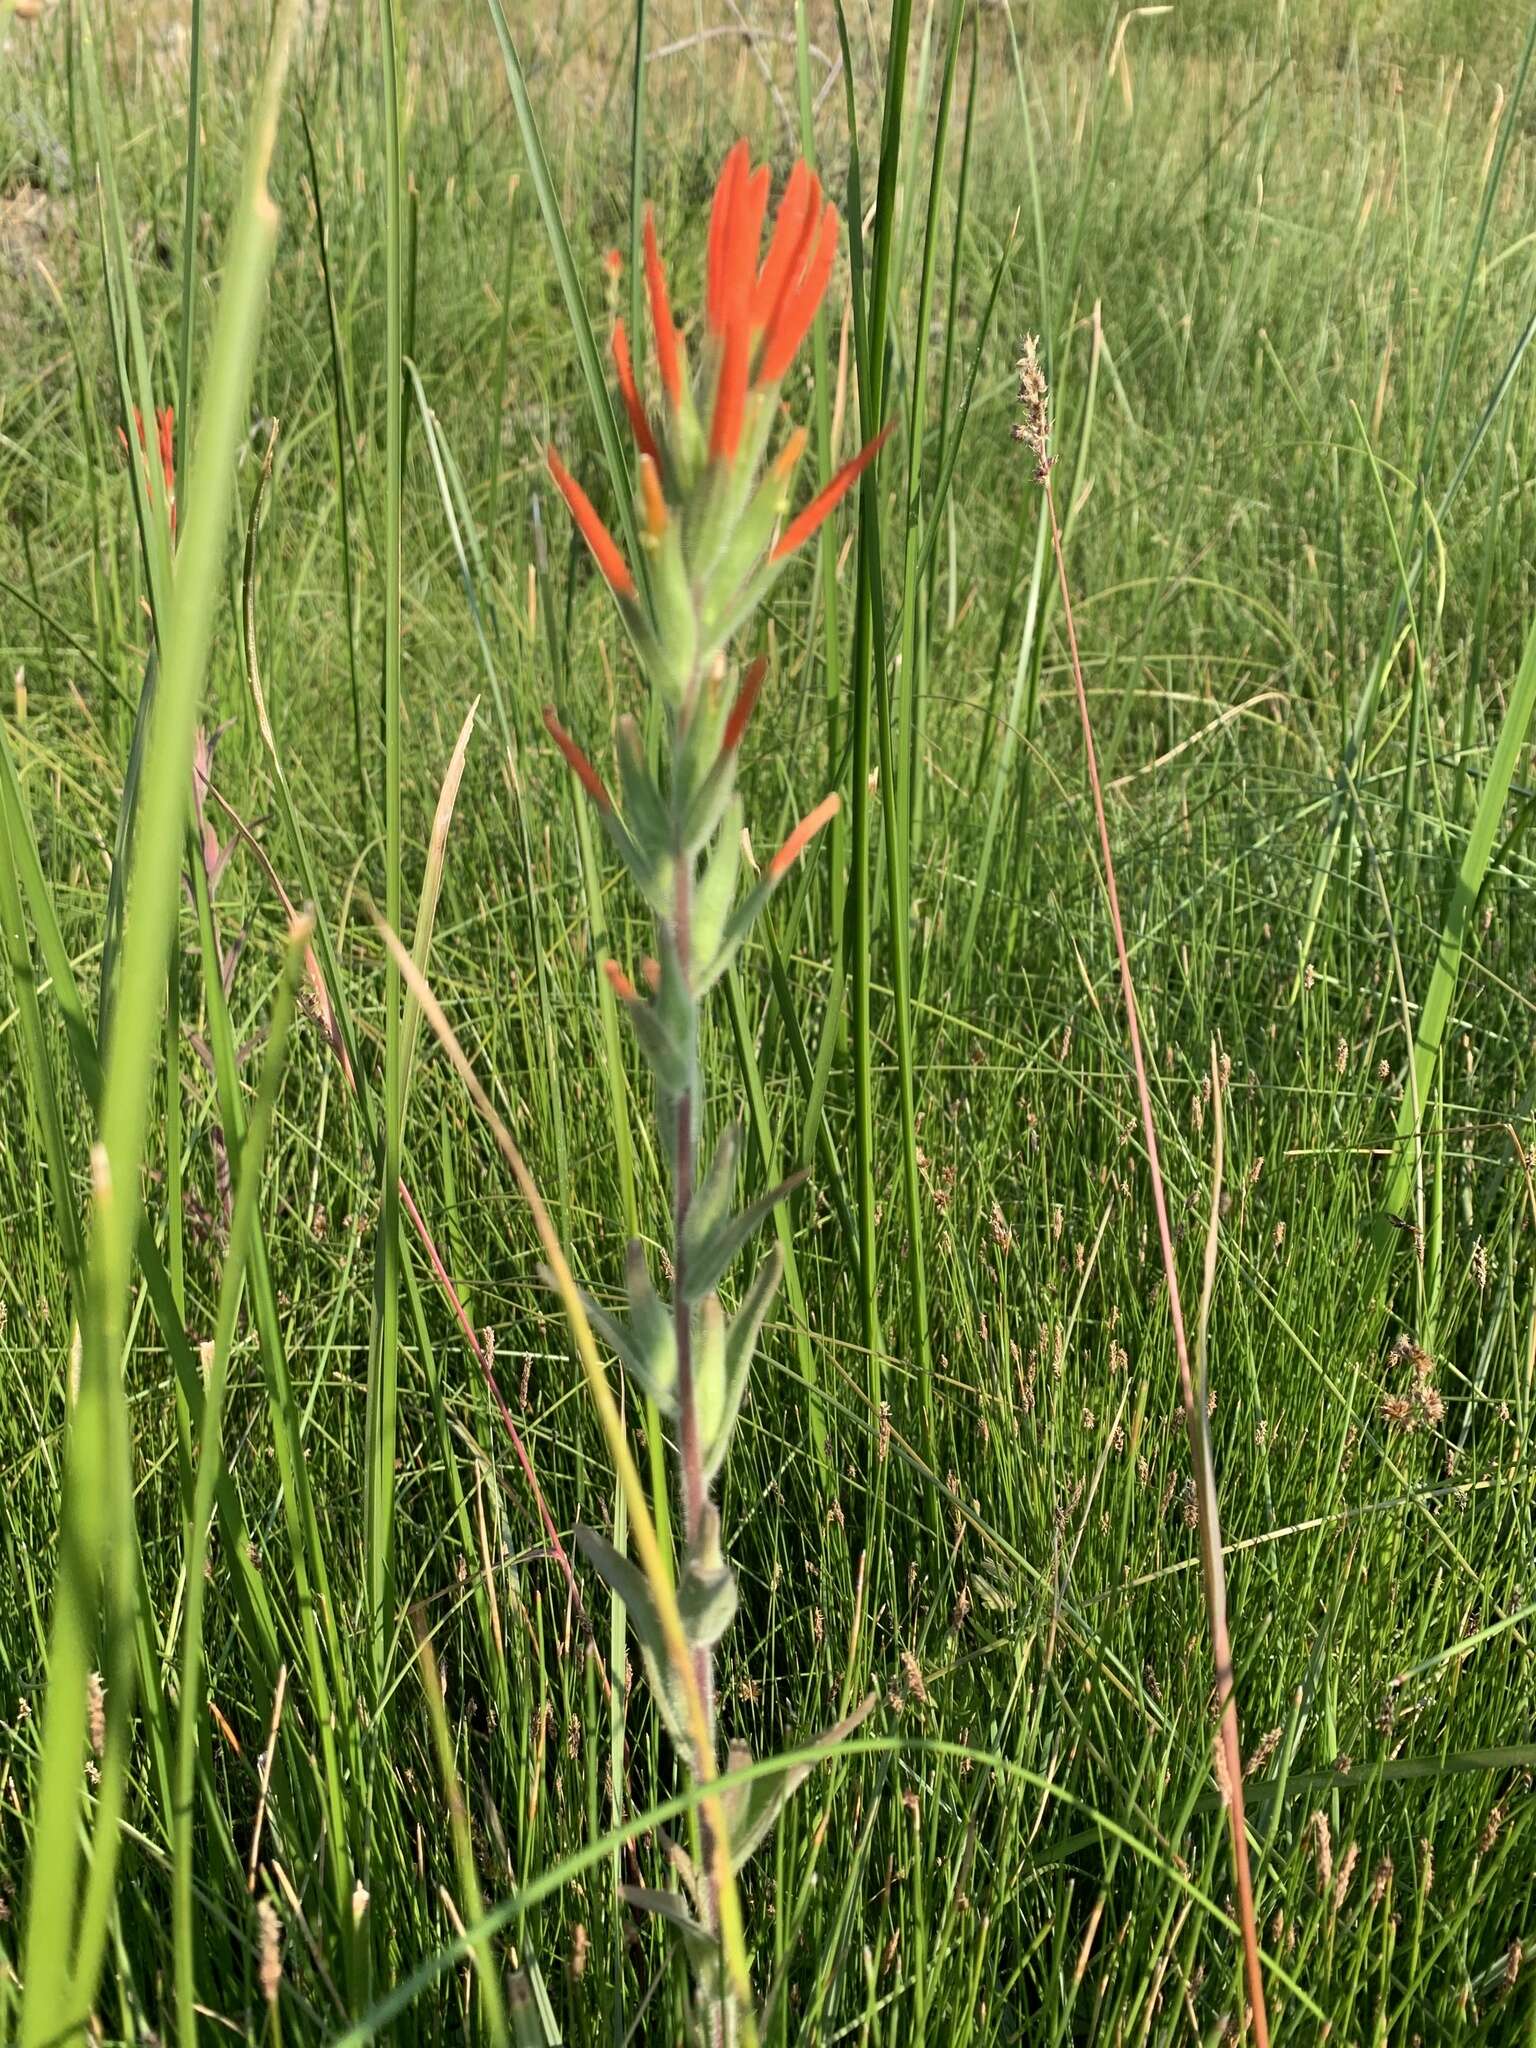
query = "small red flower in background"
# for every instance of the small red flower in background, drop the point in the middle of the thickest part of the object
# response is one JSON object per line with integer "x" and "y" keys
{"x": 700, "y": 496}
{"x": 165, "y": 438}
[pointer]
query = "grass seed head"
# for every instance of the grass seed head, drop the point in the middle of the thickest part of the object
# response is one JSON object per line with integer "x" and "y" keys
{"x": 270, "y": 1954}
{"x": 1033, "y": 428}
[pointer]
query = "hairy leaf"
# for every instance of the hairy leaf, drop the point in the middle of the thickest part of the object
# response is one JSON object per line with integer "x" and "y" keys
{"x": 709, "y": 1259}
{"x": 752, "y": 1809}
{"x": 706, "y": 1592}
{"x": 628, "y": 1582}
{"x": 740, "y": 1343}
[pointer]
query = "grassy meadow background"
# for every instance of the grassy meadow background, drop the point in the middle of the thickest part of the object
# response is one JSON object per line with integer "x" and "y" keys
{"x": 1283, "y": 263}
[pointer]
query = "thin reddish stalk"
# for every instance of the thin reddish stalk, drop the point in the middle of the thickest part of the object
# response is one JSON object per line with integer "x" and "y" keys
{"x": 1194, "y": 1421}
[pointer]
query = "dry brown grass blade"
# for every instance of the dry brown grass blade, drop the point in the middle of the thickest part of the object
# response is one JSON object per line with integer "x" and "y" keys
{"x": 1229, "y": 1752}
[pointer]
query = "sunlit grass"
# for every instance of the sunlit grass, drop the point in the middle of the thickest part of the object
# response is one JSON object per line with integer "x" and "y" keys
{"x": 1274, "y": 338}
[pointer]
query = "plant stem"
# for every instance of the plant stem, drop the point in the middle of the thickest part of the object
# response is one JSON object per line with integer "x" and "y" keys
{"x": 684, "y": 1138}
{"x": 1194, "y": 1413}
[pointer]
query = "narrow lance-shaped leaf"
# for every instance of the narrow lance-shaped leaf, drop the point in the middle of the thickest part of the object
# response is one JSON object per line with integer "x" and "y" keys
{"x": 711, "y": 1203}
{"x": 655, "y": 1335}
{"x": 663, "y": 1052}
{"x": 671, "y": 1910}
{"x": 753, "y": 905}
{"x": 1453, "y": 932}
{"x": 643, "y": 803}
{"x": 708, "y": 1367}
{"x": 716, "y": 890}
{"x": 752, "y": 1808}
{"x": 628, "y": 1583}
{"x": 646, "y": 1347}
{"x": 711, "y": 1258}
{"x": 740, "y": 1344}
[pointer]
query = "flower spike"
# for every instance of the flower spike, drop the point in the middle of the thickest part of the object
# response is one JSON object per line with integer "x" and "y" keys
{"x": 713, "y": 487}
{"x": 605, "y": 551}
{"x": 800, "y": 529}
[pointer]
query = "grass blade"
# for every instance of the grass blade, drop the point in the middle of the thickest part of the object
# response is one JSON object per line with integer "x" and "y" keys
{"x": 1459, "y": 909}
{"x": 61, "y": 1972}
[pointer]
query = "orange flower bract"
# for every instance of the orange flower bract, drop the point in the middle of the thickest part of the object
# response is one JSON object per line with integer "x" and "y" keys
{"x": 605, "y": 550}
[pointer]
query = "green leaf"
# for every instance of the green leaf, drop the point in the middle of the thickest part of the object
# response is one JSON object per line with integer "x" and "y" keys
{"x": 716, "y": 890}
{"x": 654, "y": 1371}
{"x": 1453, "y": 932}
{"x": 707, "y": 1261}
{"x": 740, "y": 1343}
{"x": 672, "y": 1910}
{"x": 751, "y": 1809}
{"x": 72, "y": 1872}
{"x": 709, "y": 1389}
{"x": 643, "y": 802}
{"x": 711, "y": 1202}
{"x": 649, "y": 869}
{"x": 706, "y": 1592}
{"x": 650, "y": 1320}
{"x": 664, "y": 1054}
{"x": 627, "y": 1582}
{"x": 676, "y": 616}
{"x": 705, "y": 807}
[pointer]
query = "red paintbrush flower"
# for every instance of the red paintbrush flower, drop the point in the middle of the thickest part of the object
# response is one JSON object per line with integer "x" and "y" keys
{"x": 758, "y": 307}
{"x": 746, "y": 703}
{"x": 667, "y": 354}
{"x": 805, "y": 281}
{"x": 802, "y": 836}
{"x": 580, "y": 766}
{"x": 165, "y": 422}
{"x": 798, "y": 208}
{"x": 620, "y": 982}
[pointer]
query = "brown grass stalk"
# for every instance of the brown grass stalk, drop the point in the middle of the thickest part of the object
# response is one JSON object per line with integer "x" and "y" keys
{"x": 1195, "y": 1421}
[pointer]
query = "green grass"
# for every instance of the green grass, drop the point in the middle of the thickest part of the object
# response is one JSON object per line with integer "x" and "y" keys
{"x": 1285, "y": 307}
